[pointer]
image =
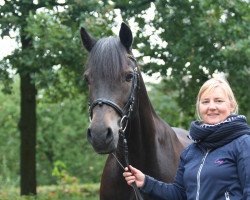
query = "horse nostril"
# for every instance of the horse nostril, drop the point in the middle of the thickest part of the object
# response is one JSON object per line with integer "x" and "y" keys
{"x": 109, "y": 136}
{"x": 89, "y": 136}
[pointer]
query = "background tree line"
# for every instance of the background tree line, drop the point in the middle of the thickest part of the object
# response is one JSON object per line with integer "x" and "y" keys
{"x": 45, "y": 111}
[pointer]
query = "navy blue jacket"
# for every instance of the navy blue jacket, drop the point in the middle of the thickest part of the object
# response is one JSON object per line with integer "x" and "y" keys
{"x": 221, "y": 174}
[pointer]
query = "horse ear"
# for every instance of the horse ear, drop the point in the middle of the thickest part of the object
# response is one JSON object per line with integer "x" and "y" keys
{"x": 126, "y": 36}
{"x": 87, "y": 40}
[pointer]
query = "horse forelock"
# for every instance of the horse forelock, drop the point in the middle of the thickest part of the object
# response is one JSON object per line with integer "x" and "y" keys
{"x": 107, "y": 59}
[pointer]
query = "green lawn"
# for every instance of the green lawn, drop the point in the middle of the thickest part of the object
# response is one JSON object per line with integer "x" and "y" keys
{"x": 66, "y": 192}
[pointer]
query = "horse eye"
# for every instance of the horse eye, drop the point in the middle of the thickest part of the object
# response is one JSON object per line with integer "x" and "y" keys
{"x": 129, "y": 77}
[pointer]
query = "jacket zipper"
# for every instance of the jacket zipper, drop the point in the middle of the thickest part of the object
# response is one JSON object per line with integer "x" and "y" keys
{"x": 198, "y": 176}
{"x": 227, "y": 195}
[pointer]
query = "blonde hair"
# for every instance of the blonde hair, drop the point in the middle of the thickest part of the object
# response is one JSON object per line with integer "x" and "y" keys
{"x": 210, "y": 85}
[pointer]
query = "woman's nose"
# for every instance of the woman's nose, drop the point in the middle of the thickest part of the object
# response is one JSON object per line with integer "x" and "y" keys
{"x": 212, "y": 106}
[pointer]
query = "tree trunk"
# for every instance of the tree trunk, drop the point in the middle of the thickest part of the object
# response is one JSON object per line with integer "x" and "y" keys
{"x": 28, "y": 135}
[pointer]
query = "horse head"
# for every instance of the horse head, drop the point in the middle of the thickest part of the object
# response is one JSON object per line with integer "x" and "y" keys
{"x": 111, "y": 74}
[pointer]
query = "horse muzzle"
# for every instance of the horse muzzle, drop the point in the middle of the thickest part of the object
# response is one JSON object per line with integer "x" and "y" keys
{"x": 103, "y": 141}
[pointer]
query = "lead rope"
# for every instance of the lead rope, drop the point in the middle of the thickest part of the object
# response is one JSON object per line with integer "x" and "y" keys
{"x": 136, "y": 190}
{"x": 122, "y": 134}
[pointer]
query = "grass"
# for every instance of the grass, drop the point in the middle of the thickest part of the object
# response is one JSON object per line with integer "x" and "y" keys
{"x": 65, "y": 192}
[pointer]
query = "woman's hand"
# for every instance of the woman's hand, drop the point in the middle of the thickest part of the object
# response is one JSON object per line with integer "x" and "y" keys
{"x": 134, "y": 175}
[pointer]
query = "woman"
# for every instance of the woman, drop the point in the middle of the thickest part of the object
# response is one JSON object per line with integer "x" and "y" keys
{"x": 217, "y": 165}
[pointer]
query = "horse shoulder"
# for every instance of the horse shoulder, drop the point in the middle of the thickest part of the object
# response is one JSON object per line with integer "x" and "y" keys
{"x": 182, "y": 135}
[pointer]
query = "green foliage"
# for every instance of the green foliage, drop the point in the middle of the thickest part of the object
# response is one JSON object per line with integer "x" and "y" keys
{"x": 49, "y": 47}
{"x": 64, "y": 179}
{"x": 60, "y": 172}
{"x": 192, "y": 40}
{"x": 79, "y": 192}
{"x": 61, "y": 136}
{"x": 164, "y": 99}
{"x": 9, "y": 138}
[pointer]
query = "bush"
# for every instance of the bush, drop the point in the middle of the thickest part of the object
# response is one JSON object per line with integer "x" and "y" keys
{"x": 75, "y": 192}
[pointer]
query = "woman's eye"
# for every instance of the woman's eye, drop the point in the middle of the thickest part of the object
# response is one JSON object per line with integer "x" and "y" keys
{"x": 129, "y": 77}
{"x": 205, "y": 102}
{"x": 219, "y": 101}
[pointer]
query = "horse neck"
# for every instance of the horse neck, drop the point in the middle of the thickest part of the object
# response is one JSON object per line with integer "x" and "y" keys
{"x": 141, "y": 130}
{"x": 135, "y": 134}
{"x": 145, "y": 111}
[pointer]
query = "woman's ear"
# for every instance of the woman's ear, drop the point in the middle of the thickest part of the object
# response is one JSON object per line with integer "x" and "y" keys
{"x": 232, "y": 107}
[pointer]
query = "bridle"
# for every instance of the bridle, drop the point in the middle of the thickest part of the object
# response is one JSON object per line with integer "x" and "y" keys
{"x": 126, "y": 111}
{"x": 125, "y": 114}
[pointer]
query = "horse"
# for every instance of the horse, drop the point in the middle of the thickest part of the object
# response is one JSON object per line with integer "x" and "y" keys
{"x": 119, "y": 106}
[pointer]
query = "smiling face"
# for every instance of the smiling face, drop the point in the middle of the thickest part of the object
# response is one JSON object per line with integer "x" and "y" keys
{"x": 215, "y": 106}
{"x": 215, "y": 101}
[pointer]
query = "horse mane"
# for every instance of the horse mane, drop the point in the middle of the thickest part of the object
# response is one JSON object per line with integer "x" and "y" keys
{"x": 107, "y": 59}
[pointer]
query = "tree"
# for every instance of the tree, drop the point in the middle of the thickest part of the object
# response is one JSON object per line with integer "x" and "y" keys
{"x": 48, "y": 56}
{"x": 60, "y": 137}
{"x": 189, "y": 41}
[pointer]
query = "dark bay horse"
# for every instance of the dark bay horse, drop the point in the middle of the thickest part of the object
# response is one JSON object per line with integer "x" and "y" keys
{"x": 119, "y": 104}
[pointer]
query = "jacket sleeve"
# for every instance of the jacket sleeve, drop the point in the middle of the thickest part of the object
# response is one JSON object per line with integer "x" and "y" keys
{"x": 168, "y": 191}
{"x": 243, "y": 163}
